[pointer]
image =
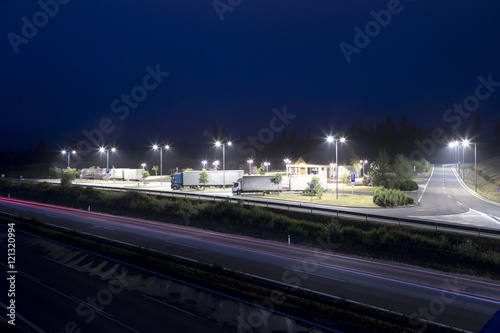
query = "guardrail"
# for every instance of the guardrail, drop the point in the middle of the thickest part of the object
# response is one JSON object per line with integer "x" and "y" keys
{"x": 311, "y": 208}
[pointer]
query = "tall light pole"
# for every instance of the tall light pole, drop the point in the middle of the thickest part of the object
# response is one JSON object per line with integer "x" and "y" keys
{"x": 103, "y": 150}
{"x": 454, "y": 144}
{"x": 267, "y": 166}
{"x": 69, "y": 154}
{"x": 155, "y": 147}
{"x": 475, "y": 169}
{"x": 287, "y": 161}
{"x": 204, "y": 164}
{"x": 143, "y": 166}
{"x": 332, "y": 139}
{"x": 218, "y": 144}
{"x": 464, "y": 143}
{"x": 363, "y": 161}
{"x": 250, "y": 161}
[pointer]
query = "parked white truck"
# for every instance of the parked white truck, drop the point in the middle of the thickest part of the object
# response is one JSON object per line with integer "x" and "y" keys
{"x": 299, "y": 182}
{"x": 191, "y": 179}
{"x": 256, "y": 184}
{"x": 111, "y": 174}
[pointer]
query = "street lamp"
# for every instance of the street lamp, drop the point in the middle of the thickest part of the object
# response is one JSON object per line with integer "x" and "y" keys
{"x": 454, "y": 144}
{"x": 216, "y": 164}
{"x": 204, "y": 164}
{"x": 332, "y": 139}
{"x": 464, "y": 144}
{"x": 218, "y": 144}
{"x": 143, "y": 166}
{"x": 267, "y": 164}
{"x": 155, "y": 147}
{"x": 250, "y": 161}
{"x": 287, "y": 161}
{"x": 67, "y": 152}
{"x": 102, "y": 150}
{"x": 363, "y": 161}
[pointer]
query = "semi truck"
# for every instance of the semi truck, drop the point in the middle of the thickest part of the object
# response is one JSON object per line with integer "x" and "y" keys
{"x": 111, "y": 174}
{"x": 191, "y": 179}
{"x": 256, "y": 184}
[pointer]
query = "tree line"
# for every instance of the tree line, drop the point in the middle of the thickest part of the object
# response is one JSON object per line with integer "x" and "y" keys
{"x": 363, "y": 140}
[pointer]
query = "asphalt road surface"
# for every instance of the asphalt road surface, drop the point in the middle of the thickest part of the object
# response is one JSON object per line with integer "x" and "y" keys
{"x": 56, "y": 297}
{"x": 449, "y": 299}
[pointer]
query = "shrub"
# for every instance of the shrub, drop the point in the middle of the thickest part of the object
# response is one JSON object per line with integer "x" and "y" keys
{"x": 384, "y": 197}
{"x": 317, "y": 187}
{"x": 409, "y": 185}
{"x": 277, "y": 179}
{"x": 66, "y": 178}
{"x": 333, "y": 230}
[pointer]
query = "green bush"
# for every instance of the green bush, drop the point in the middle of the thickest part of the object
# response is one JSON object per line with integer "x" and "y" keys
{"x": 384, "y": 197}
{"x": 67, "y": 178}
{"x": 317, "y": 187}
{"x": 409, "y": 185}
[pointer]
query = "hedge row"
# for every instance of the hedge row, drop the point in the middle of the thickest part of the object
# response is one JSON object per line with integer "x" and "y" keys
{"x": 428, "y": 248}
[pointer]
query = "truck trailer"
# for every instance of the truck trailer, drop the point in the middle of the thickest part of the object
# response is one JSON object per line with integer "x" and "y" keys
{"x": 256, "y": 184}
{"x": 299, "y": 182}
{"x": 191, "y": 179}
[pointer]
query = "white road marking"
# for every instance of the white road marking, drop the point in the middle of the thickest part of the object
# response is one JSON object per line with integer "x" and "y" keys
{"x": 492, "y": 218}
{"x": 425, "y": 186}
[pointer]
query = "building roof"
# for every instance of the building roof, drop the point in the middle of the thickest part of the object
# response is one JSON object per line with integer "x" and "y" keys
{"x": 314, "y": 158}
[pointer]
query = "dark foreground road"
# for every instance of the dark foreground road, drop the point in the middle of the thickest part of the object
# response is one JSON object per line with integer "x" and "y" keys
{"x": 449, "y": 299}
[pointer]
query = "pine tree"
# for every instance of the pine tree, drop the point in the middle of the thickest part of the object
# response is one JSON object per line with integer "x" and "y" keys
{"x": 380, "y": 170}
{"x": 215, "y": 134}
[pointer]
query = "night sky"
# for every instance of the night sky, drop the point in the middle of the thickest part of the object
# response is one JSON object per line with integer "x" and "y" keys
{"x": 232, "y": 65}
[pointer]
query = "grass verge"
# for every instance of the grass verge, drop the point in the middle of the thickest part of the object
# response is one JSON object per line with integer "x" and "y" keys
{"x": 346, "y": 200}
{"x": 445, "y": 251}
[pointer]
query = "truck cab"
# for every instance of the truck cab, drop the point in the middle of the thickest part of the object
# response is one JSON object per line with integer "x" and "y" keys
{"x": 237, "y": 187}
{"x": 176, "y": 182}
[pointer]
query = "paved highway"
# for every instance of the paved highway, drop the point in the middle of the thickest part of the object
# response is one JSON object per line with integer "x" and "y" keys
{"x": 447, "y": 199}
{"x": 59, "y": 289}
{"x": 448, "y": 299}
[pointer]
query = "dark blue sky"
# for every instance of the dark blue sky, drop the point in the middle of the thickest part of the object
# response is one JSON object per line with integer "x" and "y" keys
{"x": 61, "y": 80}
